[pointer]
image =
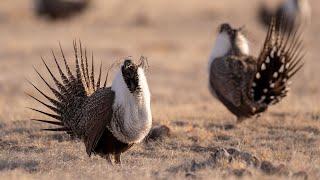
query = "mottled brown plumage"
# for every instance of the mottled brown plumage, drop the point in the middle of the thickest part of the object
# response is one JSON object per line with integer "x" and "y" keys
{"x": 247, "y": 85}
{"x": 231, "y": 79}
{"x": 83, "y": 107}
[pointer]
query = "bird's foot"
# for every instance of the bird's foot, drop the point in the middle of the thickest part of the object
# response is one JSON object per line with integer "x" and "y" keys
{"x": 240, "y": 119}
{"x": 117, "y": 158}
{"x": 109, "y": 159}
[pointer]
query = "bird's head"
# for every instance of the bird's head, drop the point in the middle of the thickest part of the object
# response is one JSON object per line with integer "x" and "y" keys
{"x": 232, "y": 37}
{"x": 132, "y": 72}
{"x": 130, "y": 75}
{"x": 226, "y": 28}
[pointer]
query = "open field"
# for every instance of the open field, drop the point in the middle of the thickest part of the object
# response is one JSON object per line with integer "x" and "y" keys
{"x": 177, "y": 37}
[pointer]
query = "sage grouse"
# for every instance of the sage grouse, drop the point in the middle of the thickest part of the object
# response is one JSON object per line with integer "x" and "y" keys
{"x": 60, "y": 9}
{"x": 294, "y": 11}
{"x": 247, "y": 85}
{"x": 108, "y": 119}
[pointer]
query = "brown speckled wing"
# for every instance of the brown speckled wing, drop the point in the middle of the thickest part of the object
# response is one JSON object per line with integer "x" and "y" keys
{"x": 97, "y": 112}
{"x": 225, "y": 78}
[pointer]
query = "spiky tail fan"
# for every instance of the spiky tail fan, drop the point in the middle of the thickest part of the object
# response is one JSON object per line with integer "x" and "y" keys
{"x": 70, "y": 94}
{"x": 279, "y": 60}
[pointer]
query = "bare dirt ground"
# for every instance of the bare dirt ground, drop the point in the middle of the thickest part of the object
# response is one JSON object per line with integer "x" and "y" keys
{"x": 177, "y": 37}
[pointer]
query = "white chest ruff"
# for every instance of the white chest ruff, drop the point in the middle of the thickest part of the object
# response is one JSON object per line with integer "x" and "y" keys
{"x": 132, "y": 119}
{"x": 222, "y": 47}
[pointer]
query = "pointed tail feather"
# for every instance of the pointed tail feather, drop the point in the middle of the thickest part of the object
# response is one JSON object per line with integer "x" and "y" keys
{"x": 57, "y": 129}
{"x": 70, "y": 94}
{"x": 280, "y": 59}
{"x": 61, "y": 88}
{"x": 49, "y": 122}
{"x": 54, "y": 109}
{"x": 57, "y": 117}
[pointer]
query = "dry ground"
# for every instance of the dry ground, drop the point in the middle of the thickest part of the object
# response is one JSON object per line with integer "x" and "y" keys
{"x": 177, "y": 37}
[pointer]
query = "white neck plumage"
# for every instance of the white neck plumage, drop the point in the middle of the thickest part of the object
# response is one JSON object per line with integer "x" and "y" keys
{"x": 223, "y": 46}
{"x": 135, "y": 109}
{"x": 242, "y": 44}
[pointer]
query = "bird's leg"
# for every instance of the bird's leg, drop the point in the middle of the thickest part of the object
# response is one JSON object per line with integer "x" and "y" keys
{"x": 240, "y": 119}
{"x": 108, "y": 158}
{"x": 117, "y": 158}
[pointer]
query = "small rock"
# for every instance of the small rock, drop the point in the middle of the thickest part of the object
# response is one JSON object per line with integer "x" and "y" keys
{"x": 201, "y": 149}
{"x": 241, "y": 172}
{"x": 233, "y": 151}
{"x": 191, "y": 175}
{"x": 158, "y": 133}
{"x": 250, "y": 159}
{"x": 220, "y": 154}
{"x": 300, "y": 175}
{"x": 282, "y": 170}
{"x": 223, "y": 138}
{"x": 194, "y": 139}
{"x": 194, "y": 165}
{"x": 268, "y": 168}
{"x": 228, "y": 126}
{"x": 180, "y": 123}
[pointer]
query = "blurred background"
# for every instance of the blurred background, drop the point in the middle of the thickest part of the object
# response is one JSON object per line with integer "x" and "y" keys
{"x": 176, "y": 36}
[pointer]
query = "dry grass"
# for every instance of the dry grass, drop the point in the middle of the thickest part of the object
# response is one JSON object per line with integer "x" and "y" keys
{"x": 177, "y": 37}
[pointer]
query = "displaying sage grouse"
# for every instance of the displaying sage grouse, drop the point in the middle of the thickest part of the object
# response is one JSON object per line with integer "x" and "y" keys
{"x": 60, "y": 9}
{"x": 294, "y": 12}
{"x": 108, "y": 119}
{"x": 247, "y": 85}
